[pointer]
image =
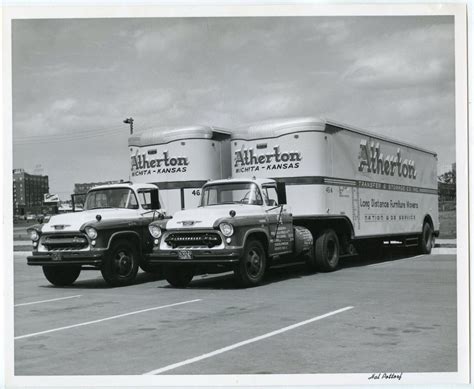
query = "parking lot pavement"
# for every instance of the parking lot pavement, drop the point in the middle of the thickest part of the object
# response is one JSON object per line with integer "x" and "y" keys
{"x": 387, "y": 315}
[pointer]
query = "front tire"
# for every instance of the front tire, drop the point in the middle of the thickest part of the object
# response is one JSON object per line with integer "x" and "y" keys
{"x": 61, "y": 275}
{"x": 121, "y": 265}
{"x": 251, "y": 268}
{"x": 326, "y": 251}
{"x": 426, "y": 240}
{"x": 179, "y": 276}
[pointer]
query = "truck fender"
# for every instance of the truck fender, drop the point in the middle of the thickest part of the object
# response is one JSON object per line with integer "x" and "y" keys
{"x": 119, "y": 234}
{"x": 258, "y": 231}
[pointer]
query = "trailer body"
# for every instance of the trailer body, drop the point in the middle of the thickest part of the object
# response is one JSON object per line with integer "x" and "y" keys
{"x": 329, "y": 170}
{"x": 179, "y": 160}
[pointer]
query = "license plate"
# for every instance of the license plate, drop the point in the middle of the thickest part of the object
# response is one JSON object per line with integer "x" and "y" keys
{"x": 185, "y": 254}
{"x": 56, "y": 256}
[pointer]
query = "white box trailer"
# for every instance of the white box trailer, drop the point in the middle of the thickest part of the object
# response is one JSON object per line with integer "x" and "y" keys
{"x": 179, "y": 160}
{"x": 339, "y": 176}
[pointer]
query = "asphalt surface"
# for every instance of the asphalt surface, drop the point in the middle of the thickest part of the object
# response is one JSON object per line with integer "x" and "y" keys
{"x": 397, "y": 313}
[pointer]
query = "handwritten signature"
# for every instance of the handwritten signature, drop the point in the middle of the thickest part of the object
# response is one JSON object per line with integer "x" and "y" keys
{"x": 386, "y": 376}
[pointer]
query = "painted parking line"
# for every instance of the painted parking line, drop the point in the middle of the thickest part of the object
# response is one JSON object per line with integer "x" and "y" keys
{"x": 244, "y": 343}
{"x": 47, "y": 301}
{"x": 104, "y": 319}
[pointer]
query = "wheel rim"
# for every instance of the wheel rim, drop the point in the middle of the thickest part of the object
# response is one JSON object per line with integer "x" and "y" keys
{"x": 123, "y": 262}
{"x": 254, "y": 263}
{"x": 331, "y": 252}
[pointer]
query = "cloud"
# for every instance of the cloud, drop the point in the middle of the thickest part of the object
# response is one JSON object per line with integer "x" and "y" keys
{"x": 63, "y": 105}
{"x": 408, "y": 58}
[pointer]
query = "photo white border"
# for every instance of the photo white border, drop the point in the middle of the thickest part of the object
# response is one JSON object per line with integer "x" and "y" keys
{"x": 458, "y": 10}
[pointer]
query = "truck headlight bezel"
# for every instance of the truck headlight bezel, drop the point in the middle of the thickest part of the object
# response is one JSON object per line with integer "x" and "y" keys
{"x": 227, "y": 229}
{"x": 34, "y": 235}
{"x": 155, "y": 231}
{"x": 91, "y": 232}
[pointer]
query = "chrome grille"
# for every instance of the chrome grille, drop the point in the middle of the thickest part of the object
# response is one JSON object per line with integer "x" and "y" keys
{"x": 64, "y": 242}
{"x": 193, "y": 239}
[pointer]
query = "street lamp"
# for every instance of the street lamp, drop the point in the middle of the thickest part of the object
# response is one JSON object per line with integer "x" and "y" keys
{"x": 129, "y": 121}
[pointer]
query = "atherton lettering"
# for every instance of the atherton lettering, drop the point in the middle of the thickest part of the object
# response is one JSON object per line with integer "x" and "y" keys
{"x": 140, "y": 161}
{"x": 245, "y": 157}
{"x": 373, "y": 161}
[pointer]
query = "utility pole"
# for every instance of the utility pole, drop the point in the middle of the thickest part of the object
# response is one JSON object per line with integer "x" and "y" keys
{"x": 129, "y": 121}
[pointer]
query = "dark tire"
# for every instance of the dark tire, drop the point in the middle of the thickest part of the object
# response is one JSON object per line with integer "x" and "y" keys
{"x": 426, "y": 239}
{"x": 179, "y": 276}
{"x": 61, "y": 275}
{"x": 310, "y": 260}
{"x": 251, "y": 268}
{"x": 121, "y": 265}
{"x": 326, "y": 251}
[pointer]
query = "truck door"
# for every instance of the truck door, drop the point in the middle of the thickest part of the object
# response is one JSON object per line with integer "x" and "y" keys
{"x": 280, "y": 222}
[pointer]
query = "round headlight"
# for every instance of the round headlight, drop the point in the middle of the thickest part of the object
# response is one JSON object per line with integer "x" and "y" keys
{"x": 91, "y": 232}
{"x": 226, "y": 229}
{"x": 155, "y": 231}
{"x": 34, "y": 236}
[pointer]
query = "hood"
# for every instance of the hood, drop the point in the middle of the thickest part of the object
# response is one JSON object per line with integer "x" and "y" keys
{"x": 205, "y": 217}
{"x": 74, "y": 221}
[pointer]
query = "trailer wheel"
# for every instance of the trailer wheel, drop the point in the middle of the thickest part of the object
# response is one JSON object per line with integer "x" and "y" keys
{"x": 179, "y": 276}
{"x": 121, "y": 265}
{"x": 426, "y": 239}
{"x": 61, "y": 275}
{"x": 251, "y": 268}
{"x": 326, "y": 251}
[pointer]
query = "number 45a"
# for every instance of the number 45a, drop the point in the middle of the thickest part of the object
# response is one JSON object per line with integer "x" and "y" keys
{"x": 196, "y": 192}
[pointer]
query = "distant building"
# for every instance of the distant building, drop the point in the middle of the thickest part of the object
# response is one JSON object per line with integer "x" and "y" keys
{"x": 28, "y": 192}
{"x": 84, "y": 187}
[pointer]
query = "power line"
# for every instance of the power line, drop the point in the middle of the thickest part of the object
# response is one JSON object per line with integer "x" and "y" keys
{"x": 66, "y": 138}
{"x": 85, "y": 132}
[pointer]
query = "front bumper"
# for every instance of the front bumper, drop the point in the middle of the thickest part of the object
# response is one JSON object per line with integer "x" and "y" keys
{"x": 64, "y": 258}
{"x": 206, "y": 257}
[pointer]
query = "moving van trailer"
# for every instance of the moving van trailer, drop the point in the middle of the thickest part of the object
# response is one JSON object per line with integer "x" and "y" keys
{"x": 320, "y": 190}
{"x": 179, "y": 160}
{"x": 362, "y": 185}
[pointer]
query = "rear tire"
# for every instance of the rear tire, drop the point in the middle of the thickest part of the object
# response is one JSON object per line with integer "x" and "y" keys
{"x": 326, "y": 251}
{"x": 251, "y": 268}
{"x": 121, "y": 265}
{"x": 61, "y": 275}
{"x": 179, "y": 276}
{"x": 426, "y": 239}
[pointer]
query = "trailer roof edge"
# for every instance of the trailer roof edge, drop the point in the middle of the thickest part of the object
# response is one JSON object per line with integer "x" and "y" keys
{"x": 374, "y": 135}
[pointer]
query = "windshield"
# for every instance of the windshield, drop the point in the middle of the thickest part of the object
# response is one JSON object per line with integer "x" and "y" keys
{"x": 111, "y": 198}
{"x": 233, "y": 193}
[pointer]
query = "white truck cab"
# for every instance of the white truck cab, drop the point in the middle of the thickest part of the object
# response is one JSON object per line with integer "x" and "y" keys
{"x": 110, "y": 235}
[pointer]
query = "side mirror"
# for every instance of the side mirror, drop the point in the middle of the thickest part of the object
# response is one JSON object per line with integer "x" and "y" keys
{"x": 281, "y": 192}
{"x": 40, "y": 219}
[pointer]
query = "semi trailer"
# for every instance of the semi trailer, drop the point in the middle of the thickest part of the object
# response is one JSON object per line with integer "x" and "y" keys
{"x": 179, "y": 160}
{"x": 320, "y": 190}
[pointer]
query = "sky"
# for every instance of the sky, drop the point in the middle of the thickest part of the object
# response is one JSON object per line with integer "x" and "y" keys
{"x": 76, "y": 80}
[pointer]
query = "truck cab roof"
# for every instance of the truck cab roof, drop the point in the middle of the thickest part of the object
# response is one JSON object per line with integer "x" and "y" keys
{"x": 258, "y": 181}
